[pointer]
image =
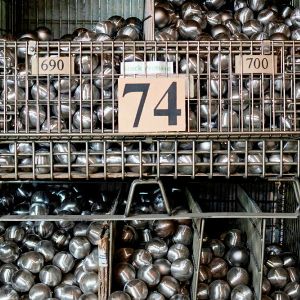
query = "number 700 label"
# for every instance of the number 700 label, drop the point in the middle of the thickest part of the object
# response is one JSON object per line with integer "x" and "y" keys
{"x": 151, "y": 104}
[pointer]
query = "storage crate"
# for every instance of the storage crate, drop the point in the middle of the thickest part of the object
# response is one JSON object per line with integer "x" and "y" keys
{"x": 62, "y": 223}
{"x": 154, "y": 158}
{"x": 185, "y": 202}
{"x": 65, "y": 16}
{"x": 267, "y": 211}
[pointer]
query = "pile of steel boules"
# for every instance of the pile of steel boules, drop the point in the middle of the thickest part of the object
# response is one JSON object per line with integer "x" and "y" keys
{"x": 282, "y": 275}
{"x": 223, "y": 272}
{"x": 226, "y": 20}
{"x": 41, "y": 260}
{"x": 154, "y": 260}
{"x": 28, "y": 200}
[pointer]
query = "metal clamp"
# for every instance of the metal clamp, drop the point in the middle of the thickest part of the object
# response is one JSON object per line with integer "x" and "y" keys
{"x": 137, "y": 182}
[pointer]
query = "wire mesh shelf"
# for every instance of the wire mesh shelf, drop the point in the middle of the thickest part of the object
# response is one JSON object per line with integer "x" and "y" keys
{"x": 219, "y": 102}
{"x": 79, "y": 159}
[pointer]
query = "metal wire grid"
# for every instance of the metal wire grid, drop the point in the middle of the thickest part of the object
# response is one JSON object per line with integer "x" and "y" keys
{"x": 219, "y": 102}
{"x": 78, "y": 159}
{"x": 65, "y": 16}
{"x": 248, "y": 196}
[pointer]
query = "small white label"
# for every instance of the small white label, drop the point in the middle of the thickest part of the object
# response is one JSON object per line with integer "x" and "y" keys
{"x": 102, "y": 258}
{"x": 52, "y": 65}
{"x": 146, "y": 68}
{"x": 256, "y": 64}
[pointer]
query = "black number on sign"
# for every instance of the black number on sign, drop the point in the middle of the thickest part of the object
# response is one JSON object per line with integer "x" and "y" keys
{"x": 257, "y": 63}
{"x": 138, "y": 88}
{"x": 265, "y": 63}
{"x": 52, "y": 64}
{"x": 171, "y": 112}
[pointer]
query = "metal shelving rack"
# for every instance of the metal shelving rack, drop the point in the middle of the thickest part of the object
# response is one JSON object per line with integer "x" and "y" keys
{"x": 219, "y": 141}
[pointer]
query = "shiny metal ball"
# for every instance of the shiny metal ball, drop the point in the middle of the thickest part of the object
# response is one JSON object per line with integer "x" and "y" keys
{"x": 266, "y": 286}
{"x": 229, "y": 120}
{"x": 294, "y": 274}
{"x": 44, "y": 33}
{"x": 32, "y": 116}
{"x": 43, "y": 229}
{"x": 8, "y": 293}
{"x": 31, "y": 261}
{"x": 157, "y": 247}
{"x": 252, "y": 118}
{"x": 92, "y": 161}
{"x": 183, "y": 235}
{"x": 274, "y": 249}
{"x": 278, "y": 295}
{"x": 223, "y": 162}
{"x": 130, "y": 32}
{"x": 123, "y": 273}
{"x": 191, "y": 65}
{"x": 66, "y": 85}
{"x": 155, "y": 296}
{"x": 289, "y": 260}
{"x": 94, "y": 232}
{"x": 285, "y": 160}
{"x": 79, "y": 247}
{"x": 64, "y": 108}
{"x": 237, "y": 276}
{"x": 204, "y": 274}
{"x": 119, "y": 296}
{"x": 124, "y": 254}
{"x": 163, "y": 266}
{"x": 39, "y": 291}
{"x": 60, "y": 238}
{"x": 218, "y": 267}
{"x": 206, "y": 255}
{"x": 177, "y": 251}
{"x": 182, "y": 269}
{"x": 14, "y": 233}
{"x": 217, "y": 247}
{"x": 238, "y": 256}
{"x": 85, "y": 119}
{"x": 67, "y": 292}
{"x": 60, "y": 153}
{"x": 233, "y": 238}
{"x": 9, "y": 251}
{"x": 128, "y": 234}
{"x": 134, "y": 159}
{"x": 141, "y": 257}
{"x": 43, "y": 91}
{"x": 244, "y": 15}
{"x": 257, "y": 5}
{"x": 188, "y": 29}
{"x": 164, "y": 228}
{"x": 149, "y": 274}
{"x": 278, "y": 277}
{"x": 137, "y": 289}
{"x": 46, "y": 248}
{"x": 168, "y": 286}
{"x": 106, "y": 114}
{"x": 86, "y": 63}
{"x": 295, "y": 17}
{"x": 274, "y": 261}
{"x": 22, "y": 281}
{"x": 89, "y": 283}
{"x": 6, "y": 272}
{"x": 219, "y": 290}
{"x": 186, "y": 162}
{"x": 242, "y": 292}
{"x": 50, "y": 275}
{"x": 64, "y": 261}
{"x": 266, "y": 16}
{"x": 106, "y": 27}
{"x": 292, "y": 289}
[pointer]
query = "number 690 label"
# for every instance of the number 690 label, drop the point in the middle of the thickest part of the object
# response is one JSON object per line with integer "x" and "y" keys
{"x": 151, "y": 104}
{"x": 256, "y": 64}
{"x": 52, "y": 65}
